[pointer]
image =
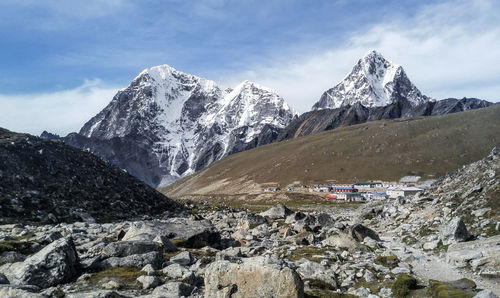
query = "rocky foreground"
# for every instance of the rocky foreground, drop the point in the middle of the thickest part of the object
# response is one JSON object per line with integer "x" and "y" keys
{"x": 443, "y": 243}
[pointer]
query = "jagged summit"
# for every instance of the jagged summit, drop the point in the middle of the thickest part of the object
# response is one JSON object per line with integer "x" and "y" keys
{"x": 184, "y": 122}
{"x": 373, "y": 81}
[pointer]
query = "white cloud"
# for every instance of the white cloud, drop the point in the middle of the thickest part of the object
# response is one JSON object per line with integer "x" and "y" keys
{"x": 59, "y": 112}
{"x": 447, "y": 50}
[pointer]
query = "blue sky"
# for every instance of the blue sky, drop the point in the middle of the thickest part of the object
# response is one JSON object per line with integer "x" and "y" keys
{"x": 62, "y": 61}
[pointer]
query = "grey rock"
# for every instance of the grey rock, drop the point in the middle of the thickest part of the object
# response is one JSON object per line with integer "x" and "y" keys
{"x": 176, "y": 271}
{"x": 149, "y": 269}
{"x": 139, "y": 260}
{"x": 399, "y": 270}
{"x": 369, "y": 276}
{"x": 325, "y": 220}
{"x": 250, "y": 221}
{"x": 19, "y": 292}
{"x": 430, "y": 245}
{"x": 341, "y": 241}
{"x": 128, "y": 248}
{"x": 480, "y": 212}
{"x": 111, "y": 285}
{"x": 168, "y": 246}
{"x": 183, "y": 258}
{"x": 312, "y": 270}
{"x": 255, "y": 277}
{"x": 485, "y": 294}
{"x": 148, "y": 281}
{"x": 11, "y": 257}
{"x": 277, "y": 212}
{"x": 3, "y": 279}
{"x": 56, "y": 263}
{"x": 359, "y": 232}
{"x": 454, "y": 231}
{"x": 172, "y": 290}
{"x": 385, "y": 292}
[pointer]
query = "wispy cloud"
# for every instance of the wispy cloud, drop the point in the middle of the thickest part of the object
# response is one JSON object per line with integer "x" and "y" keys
{"x": 59, "y": 112}
{"x": 448, "y": 50}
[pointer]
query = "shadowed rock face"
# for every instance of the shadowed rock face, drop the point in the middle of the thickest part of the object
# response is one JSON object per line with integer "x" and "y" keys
{"x": 327, "y": 119}
{"x": 48, "y": 181}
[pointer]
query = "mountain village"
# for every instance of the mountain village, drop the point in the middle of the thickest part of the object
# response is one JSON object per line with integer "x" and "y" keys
{"x": 359, "y": 191}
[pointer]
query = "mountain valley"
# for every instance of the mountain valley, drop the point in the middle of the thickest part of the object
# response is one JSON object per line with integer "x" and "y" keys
{"x": 378, "y": 191}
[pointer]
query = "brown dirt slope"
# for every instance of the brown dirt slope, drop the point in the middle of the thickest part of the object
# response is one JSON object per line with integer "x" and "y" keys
{"x": 381, "y": 150}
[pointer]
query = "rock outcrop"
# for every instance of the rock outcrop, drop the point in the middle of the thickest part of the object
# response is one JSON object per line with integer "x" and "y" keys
{"x": 56, "y": 263}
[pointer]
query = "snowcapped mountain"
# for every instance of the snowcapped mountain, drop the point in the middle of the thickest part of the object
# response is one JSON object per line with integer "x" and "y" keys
{"x": 373, "y": 82}
{"x": 168, "y": 124}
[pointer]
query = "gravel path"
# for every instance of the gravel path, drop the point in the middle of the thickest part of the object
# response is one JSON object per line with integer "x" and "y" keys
{"x": 426, "y": 266}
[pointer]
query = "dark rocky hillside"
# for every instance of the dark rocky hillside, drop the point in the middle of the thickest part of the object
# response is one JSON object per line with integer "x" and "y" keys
{"x": 327, "y": 119}
{"x": 48, "y": 181}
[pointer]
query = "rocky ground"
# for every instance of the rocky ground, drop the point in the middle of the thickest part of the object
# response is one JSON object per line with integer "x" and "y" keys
{"x": 442, "y": 243}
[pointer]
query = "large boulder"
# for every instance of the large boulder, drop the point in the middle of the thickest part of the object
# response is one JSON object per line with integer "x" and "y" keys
{"x": 325, "y": 220}
{"x": 250, "y": 221}
{"x": 183, "y": 231}
{"x": 172, "y": 289}
{"x": 255, "y": 277}
{"x": 359, "y": 232}
{"x": 130, "y": 253}
{"x": 300, "y": 218}
{"x": 56, "y": 263}
{"x": 454, "y": 231}
{"x": 342, "y": 241}
{"x": 277, "y": 212}
{"x": 315, "y": 271}
{"x": 139, "y": 260}
{"x": 128, "y": 248}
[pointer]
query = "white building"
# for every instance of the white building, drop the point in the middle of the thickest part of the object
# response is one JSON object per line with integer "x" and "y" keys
{"x": 395, "y": 192}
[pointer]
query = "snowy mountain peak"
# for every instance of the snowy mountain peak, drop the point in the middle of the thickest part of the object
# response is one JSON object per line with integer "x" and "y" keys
{"x": 187, "y": 122}
{"x": 372, "y": 55}
{"x": 373, "y": 81}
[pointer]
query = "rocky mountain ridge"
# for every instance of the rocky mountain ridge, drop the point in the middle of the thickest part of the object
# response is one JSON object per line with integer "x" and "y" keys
{"x": 168, "y": 124}
{"x": 48, "y": 181}
{"x": 326, "y": 119}
{"x": 373, "y": 82}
